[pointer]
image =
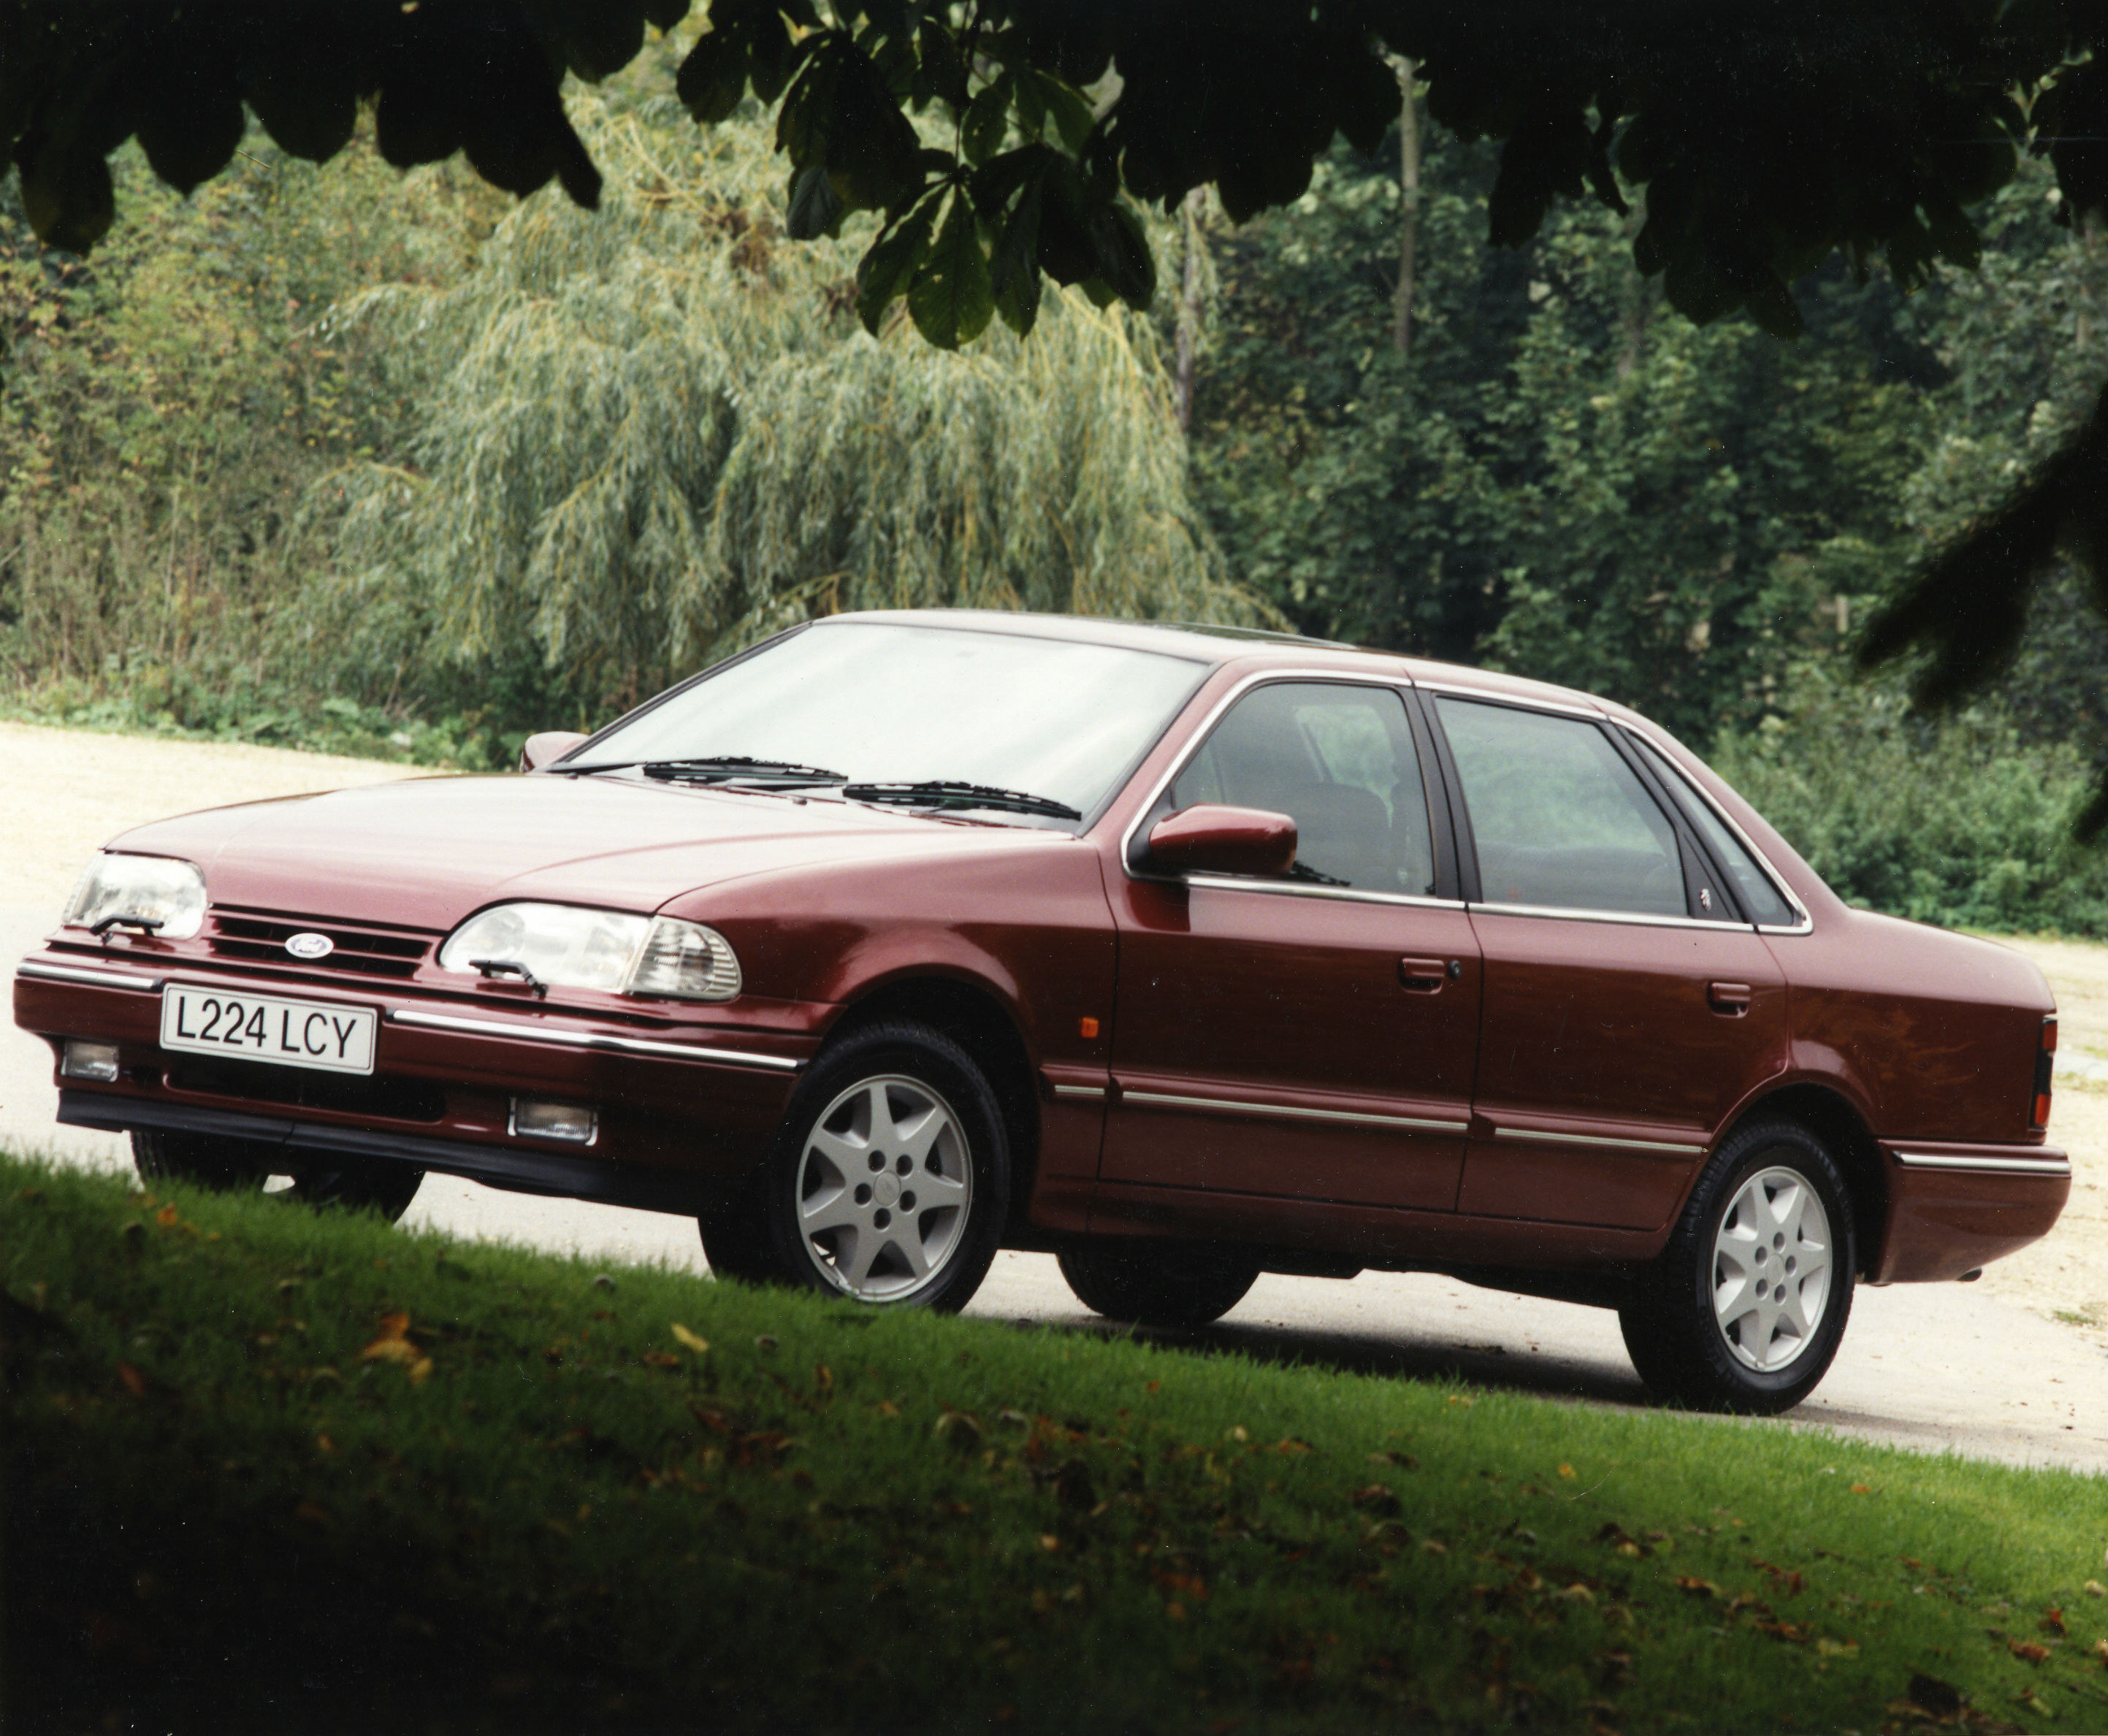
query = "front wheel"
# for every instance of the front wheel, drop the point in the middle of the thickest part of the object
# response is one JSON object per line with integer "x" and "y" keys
{"x": 888, "y": 1182}
{"x": 234, "y": 1166}
{"x": 1745, "y": 1308}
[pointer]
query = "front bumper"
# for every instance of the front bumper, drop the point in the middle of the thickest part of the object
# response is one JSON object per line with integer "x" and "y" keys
{"x": 685, "y": 1107}
{"x": 1953, "y": 1208}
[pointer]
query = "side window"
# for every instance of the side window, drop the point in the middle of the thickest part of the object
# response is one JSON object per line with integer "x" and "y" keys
{"x": 1339, "y": 761}
{"x": 1759, "y": 897}
{"x": 1560, "y": 820}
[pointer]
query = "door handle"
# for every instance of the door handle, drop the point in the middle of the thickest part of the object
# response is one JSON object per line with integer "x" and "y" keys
{"x": 1731, "y": 999}
{"x": 1426, "y": 976}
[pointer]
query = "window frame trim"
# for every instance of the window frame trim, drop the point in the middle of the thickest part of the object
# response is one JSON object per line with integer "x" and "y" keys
{"x": 1805, "y": 923}
{"x": 1680, "y": 827}
{"x": 1445, "y": 846}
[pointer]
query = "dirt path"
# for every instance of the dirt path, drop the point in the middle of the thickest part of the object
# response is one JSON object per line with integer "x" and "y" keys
{"x": 2011, "y": 1367}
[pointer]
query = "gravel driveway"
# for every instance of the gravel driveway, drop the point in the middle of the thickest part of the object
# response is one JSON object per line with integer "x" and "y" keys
{"x": 2014, "y": 1367}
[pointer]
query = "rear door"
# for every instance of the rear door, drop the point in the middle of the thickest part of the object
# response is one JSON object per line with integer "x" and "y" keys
{"x": 1310, "y": 1037}
{"x": 1630, "y": 1004}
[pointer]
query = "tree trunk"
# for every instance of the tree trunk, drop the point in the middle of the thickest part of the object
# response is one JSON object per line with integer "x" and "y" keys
{"x": 1189, "y": 308}
{"x": 1408, "y": 199}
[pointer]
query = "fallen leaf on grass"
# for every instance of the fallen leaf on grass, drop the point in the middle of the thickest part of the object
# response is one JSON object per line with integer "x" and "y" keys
{"x": 1862, "y": 1489}
{"x": 390, "y": 1350}
{"x": 2028, "y": 1649}
{"x": 1567, "y": 1472}
{"x": 2094, "y": 1589}
{"x": 2052, "y": 1621}
{"x": 2034, "y": 1702}
{"x": 1837, "y": 1648}
{"x": 659, "y": 1358}
{"x": 2100, "y": 1651}
{"x": 135, "y": 1383}
{"x": 421, "y": 1371}
{"x": 166, "y": 1217}
{"x": 700, "y": 1345}
{"x": 959, "y": 1429}
{"x": 1291, "y": 1445}
{"x": 1698, "y": 1588}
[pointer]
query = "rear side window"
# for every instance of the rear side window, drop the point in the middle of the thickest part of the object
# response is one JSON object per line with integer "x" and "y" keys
{"x": 1759, "y": 897}
{"x": 1560, "y": 820}
{"x": 1338, "y": 760}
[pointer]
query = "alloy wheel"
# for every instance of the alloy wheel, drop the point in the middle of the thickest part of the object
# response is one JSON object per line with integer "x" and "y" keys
{"x": 885, "y": 1189}
{"x": 1772, "y": 1269}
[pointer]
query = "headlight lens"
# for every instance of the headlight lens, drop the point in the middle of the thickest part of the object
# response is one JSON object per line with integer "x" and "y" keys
{"x": 562, "y": 944}
{"x": 158, "y": 887}
{"x": 568, "y": 946}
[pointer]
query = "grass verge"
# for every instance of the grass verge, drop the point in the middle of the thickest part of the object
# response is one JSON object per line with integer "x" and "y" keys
{"x": 266, "y": 1469}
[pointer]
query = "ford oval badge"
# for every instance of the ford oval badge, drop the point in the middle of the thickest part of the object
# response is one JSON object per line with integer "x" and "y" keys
{"x": 310, "y": 945}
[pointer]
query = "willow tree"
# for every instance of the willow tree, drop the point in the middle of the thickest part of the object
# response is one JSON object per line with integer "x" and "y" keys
{"x": 656, "y": 433}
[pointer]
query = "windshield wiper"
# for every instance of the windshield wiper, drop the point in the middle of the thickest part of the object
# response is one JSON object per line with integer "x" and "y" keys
{"x": 937, "y": 792}
{"x": 717, "y": 768}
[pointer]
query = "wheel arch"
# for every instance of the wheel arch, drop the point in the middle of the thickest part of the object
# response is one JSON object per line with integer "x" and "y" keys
{"x": 1832, "y": 1117}
{"x": 975, "y": 1019}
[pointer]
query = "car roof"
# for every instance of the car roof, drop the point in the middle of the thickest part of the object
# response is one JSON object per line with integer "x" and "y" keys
{"x": 1248, "y": 649}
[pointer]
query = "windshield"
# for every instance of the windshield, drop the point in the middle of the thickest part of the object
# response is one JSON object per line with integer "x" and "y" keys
{"x": 899, "y": 705}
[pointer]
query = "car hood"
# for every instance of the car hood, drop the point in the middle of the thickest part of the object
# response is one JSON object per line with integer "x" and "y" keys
{"x": 427, "y": 853}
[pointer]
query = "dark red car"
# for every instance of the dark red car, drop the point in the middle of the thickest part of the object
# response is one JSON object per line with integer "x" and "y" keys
{"x": 1186, "y": 955}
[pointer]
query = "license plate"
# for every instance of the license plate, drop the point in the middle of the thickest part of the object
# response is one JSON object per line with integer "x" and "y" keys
{"x": 261, "y": 1028}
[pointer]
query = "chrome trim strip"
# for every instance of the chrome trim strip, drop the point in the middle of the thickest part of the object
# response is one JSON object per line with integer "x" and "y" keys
{"x": 1631, "y": 919}
{"x": 2044, "y": 1167}
{"x": 90, "y": 974}
{"x": 1306, "y": 889}
{"x": 1806, "y": 926}
{"x": 587, "y": 1040}
{"x": 1522, "y": 702}
{"x": 1674, "y": 1147}
{"x": 1080, "y": 1090}
{"x": 1412, "y": 1123}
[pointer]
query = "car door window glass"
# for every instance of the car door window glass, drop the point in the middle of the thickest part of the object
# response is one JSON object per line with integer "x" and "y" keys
{"x": 1338, "y": 760}
{"x": 1760, "y": 899}
{"x": 1560, "y": 820}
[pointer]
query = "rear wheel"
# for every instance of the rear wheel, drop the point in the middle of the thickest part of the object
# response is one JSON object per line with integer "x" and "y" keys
{"x": 1158, "y": 1283}
{"x": 1745, "y": 1307}
{"x": 246, "y": 1166}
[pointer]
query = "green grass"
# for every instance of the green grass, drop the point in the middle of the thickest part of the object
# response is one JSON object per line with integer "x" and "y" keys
{"x": 230, "y": 1505}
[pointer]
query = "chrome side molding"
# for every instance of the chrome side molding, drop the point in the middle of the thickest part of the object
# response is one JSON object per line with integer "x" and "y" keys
{"x": 521, "y": 1032}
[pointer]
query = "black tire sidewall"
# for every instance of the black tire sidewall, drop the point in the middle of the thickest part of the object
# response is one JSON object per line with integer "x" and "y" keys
{"x": 1670, "y": 1324}
{"x": 1180, "y": 1285}
{"x": 931, "y": 1058}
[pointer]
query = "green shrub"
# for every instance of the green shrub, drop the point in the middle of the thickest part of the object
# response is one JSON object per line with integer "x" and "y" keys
{"x": 1956, "y": 822}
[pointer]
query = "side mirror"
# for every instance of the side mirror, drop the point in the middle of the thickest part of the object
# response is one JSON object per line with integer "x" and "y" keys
{"x": 538, "y": 751}
{"x": 1207, "y": 838}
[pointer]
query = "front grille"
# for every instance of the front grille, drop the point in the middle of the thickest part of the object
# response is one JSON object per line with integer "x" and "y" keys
{"x": 362, "y": 949}
{"x": 378, "y": 1094}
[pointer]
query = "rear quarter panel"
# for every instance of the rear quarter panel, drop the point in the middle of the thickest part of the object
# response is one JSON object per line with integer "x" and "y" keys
{"x": 1934, "y": 1034}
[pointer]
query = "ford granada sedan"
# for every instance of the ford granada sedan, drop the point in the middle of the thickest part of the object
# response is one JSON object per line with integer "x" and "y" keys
{"x": 1184, "y": 955}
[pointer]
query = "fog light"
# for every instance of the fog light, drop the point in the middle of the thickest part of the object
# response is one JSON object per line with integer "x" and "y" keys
{"x": 95, "y": 1061}
{"x": 569, "y": 1123}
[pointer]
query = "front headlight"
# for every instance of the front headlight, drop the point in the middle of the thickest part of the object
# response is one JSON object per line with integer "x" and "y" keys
{"x": 564, "y": 945}
{"x": 155, "y": 888}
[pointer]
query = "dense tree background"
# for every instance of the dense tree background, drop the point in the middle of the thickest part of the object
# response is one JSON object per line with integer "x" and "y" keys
{"x": 391, "y": 462}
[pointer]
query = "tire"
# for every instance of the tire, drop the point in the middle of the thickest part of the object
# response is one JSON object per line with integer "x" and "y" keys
{"x": 1181, "y": 1284}
{"x": 1698, "y": 1329}
{"x": 888, "y": 1182}
{"x": 233, "y": 1166}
